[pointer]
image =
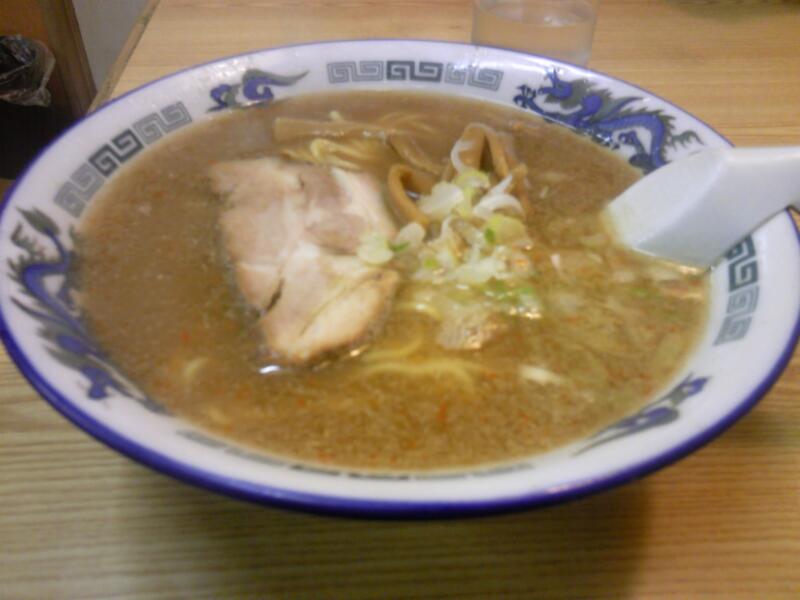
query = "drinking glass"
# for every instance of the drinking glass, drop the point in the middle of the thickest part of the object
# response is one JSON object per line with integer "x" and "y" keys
{"x": 561, "y": 29}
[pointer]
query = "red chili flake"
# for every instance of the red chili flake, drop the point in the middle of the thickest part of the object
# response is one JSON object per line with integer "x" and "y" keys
{"x": 324, "y": 456}
{"x": 410, "y": 444}
{"x": 441, "y": 415}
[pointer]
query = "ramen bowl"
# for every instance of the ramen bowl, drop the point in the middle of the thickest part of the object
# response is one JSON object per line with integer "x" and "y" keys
{"x": 748, "y": 338}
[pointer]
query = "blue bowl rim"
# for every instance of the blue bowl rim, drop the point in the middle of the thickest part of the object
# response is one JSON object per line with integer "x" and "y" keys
{"x": 366, "y": 508}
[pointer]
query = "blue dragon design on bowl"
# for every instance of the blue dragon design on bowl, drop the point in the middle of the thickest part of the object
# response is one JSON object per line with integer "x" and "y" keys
{"x": 253, "y": 89}
{"x": 657, "y": 413}
{"x": 583, "y": 106}
{"x": 48, "y": 281}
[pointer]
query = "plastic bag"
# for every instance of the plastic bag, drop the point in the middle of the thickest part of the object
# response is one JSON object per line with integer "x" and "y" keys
{"x": 25, "y": 68}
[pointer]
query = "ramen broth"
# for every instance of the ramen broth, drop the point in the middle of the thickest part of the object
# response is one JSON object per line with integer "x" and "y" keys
{"x": 157, "y": 289}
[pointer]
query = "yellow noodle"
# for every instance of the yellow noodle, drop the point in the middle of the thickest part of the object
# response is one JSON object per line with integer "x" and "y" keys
{"x": 192, "y": 367}
{"x": 406, "y": 120}
{"x": 394, "y": 353}
{"x": 411, "y": 152}
{"x": 459, "y": 369}
{"x": 330, "y": 152}
{"x": 420, "y": 307}
{"x": 352, "y": 155}
{"x": 300, "y": 154}
{"x": 286, "y": 129}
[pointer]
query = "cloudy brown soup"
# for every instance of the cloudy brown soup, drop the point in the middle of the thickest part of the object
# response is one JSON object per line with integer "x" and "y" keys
{"x": 412, "y": 322}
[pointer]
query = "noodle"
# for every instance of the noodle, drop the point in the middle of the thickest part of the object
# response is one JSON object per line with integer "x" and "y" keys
{"x": 287, "y": 129}
{"x": 394, "y": 353}
{"x": 410, "y": 151}
{"x": 461, "y": 370}
{"x": 406, "y": 120}
{"x": 352, "y": 155}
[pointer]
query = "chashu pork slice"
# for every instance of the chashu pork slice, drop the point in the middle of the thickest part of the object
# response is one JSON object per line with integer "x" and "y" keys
{"x": 291, "y": 231}
{"x": 328, "y": 303}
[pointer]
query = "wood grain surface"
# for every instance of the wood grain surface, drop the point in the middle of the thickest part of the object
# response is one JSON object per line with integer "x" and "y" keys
{"x": 79, "y": 521}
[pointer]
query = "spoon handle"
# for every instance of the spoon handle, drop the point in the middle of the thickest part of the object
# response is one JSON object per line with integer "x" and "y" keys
{"x": 696, "y": 208}
{"x": 773, "y": 172}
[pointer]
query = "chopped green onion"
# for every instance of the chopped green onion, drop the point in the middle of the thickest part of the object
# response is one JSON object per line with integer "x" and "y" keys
{"x": 464, "y": 209}
{"x": 399, "y": 247}
{"x": 490, "y": 235}
{"x": 506, "y": 229}
{"x": 497, "y": 286}
{"x": 430, "y": 263}
{"x": 472, "y": 178}
{"x": 374, "y": 249}
{"x": 411, "y": 236}
{"x": 491, "y": 203}
{"x": 444, "y": 197}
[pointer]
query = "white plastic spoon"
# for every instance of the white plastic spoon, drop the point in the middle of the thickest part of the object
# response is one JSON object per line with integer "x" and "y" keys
{"x": 693, "y": 210}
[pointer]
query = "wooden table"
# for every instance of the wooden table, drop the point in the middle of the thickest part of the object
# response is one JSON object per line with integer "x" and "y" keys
{"x": 79, "y": 521}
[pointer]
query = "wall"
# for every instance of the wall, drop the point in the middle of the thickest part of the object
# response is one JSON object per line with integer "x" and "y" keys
{"x": 105, "y": 25}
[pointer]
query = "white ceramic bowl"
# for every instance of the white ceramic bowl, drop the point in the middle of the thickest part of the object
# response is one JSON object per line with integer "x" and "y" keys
{"x": 751, "y": 332}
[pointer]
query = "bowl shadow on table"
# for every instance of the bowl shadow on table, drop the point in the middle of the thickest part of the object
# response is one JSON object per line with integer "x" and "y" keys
{"x": 587, "y": 548}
